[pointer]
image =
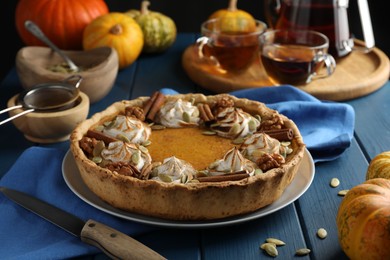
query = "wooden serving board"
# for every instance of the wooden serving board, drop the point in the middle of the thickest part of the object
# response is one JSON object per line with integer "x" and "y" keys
{"x": 356, "y": 75}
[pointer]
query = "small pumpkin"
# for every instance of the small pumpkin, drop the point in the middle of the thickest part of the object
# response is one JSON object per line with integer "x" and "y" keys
{"x": 62, "y": 21}
{"x": 363, "y": 220}
{"x": 118, "y": 31}
{"x": 159, "y": 30}
{"x": 234, "y": 19}
{"x": 379, "y": 167}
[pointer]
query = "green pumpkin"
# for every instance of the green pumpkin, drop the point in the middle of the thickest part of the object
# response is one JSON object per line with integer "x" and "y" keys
{"x": 159, "y": 30}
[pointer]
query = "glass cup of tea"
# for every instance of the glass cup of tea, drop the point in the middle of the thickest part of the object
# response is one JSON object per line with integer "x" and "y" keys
{"x": 230, "y": 44}
{"x": 295, "y": 57}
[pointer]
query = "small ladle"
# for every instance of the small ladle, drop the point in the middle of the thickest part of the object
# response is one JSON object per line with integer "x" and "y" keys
{"x": 34, "y": 29}
{"x": 46, "y": 97}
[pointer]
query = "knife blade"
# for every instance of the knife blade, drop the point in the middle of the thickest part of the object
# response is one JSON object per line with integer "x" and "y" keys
{"x": 110, "y": 241}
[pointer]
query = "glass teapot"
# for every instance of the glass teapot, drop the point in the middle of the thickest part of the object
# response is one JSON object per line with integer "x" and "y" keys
{"x": 326, "y": 16}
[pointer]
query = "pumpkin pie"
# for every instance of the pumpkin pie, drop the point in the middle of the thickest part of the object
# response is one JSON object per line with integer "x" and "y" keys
{"x": 188, "y": 157}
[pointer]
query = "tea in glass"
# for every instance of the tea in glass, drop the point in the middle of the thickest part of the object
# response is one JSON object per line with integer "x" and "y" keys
{"x": 231, "y": 48}
{"x": 295, "y": 57}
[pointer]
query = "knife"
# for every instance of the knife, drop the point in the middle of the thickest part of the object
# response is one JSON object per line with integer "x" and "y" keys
{"x": 112, "y": 242}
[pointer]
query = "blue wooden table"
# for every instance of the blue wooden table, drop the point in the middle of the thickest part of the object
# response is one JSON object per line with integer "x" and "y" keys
{"x": 296, "y": 224}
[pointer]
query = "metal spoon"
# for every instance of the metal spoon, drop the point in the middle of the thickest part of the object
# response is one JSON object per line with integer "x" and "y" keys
{"x": 34, "y": 29}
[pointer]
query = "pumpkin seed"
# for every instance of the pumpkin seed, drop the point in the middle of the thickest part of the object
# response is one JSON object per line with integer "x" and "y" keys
{"x": 97, "y": 159}
{"x": 270, "y": 249}
{"x": 275, "y": 241}
{"x": 235, "y": 129}
{"x": 186, "y": 117}
{"x": 98, "y": 148}
{"x": 262, "y": 246}
{"x": 238, "y": 140}
{"x": 334, "y": 182}
{"x": 322, "y": 233}
{"x": 209, "y": 133}
{"x": 99, "y": 128}
{"x": 252, "y": 125}
{"x": 342, "y": 192}
{"x": 201, "y": 174}
{"x": 165, "y": 177}
{"x": 184, "y": 178}
{"x": 143, "y": 149}
{"x": 109, "y": 123}
{"x": 154, "y": 173}
{"x": 258, "y": 171}
{"x": 303, "y": 251}
{"x": 157, "y": 127}
{"x": 135, "y": 157}
{"x": 123, "y": 138}
{"x": 147, "y": 143}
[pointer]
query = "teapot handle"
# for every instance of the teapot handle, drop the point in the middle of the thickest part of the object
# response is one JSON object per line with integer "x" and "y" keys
{"x": 272, "y": 11}
{"x": 365, "y": 19}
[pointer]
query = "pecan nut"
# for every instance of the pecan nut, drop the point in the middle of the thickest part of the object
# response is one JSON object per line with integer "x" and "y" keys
{"x": 136, "y": 112}
{"x": 270, "y": 161}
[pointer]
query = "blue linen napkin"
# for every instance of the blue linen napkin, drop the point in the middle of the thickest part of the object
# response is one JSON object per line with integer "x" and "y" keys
{"x": 326, "y": 127}
{"x": 24, "y": 235}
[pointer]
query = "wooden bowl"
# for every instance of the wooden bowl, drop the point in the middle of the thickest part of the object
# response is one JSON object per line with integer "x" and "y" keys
{"x": 50, "y": 127}
{"x": 100, "y": 68}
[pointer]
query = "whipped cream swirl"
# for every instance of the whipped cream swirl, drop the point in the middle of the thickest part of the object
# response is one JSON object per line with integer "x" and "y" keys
{"x": 128, "y": 129}
{"x": 232, "y": 162}
{"x": 178, "y": 113}
{"x": 256, "y": 145}
{"x": 127, "y": 152}
{"x": 174, "y": 170}
{"x": 233, "y": 122}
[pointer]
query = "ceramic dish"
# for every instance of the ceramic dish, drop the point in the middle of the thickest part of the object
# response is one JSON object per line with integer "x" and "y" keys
{"x": 299, "y": 185}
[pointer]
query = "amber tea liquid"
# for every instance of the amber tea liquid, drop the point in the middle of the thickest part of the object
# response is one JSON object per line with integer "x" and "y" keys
{"x": 290, "y": 64}
{"x": 234, "y": 52}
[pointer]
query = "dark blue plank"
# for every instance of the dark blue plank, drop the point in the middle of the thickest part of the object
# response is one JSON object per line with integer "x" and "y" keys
{"x": 174, "y": 243}
{"x": 156, "y": 71}
{"x": 319, "y": 205}
{"x": 243, "y": 241}
{"x": 373, "y": 121}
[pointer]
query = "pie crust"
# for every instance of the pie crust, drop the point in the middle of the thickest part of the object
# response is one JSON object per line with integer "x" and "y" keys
{"x": 190, "y": 201}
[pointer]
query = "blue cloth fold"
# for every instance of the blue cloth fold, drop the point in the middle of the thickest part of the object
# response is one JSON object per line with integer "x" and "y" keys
{"x": 24, "y": 235}
{"x": 327, "y": 127}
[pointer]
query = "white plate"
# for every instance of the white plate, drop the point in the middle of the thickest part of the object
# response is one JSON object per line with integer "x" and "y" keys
{"x": 298, "y": 186}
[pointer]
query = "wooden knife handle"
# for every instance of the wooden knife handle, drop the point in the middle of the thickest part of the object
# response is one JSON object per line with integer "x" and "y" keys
{"x": 115, "y": 244}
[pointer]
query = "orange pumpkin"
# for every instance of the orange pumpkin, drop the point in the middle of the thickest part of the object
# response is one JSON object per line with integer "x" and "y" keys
{"x": 234, "y": 19}
{"x": 363, "y": 220}
{"x": 62, "y": 21}
{"x": 379, "y": 166}
{"x": 116, "y": 30}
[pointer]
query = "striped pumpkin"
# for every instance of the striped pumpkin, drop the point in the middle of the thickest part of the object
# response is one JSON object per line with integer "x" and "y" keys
{"x": 363, "y": 221}
{"x": 159, "y": 30}
{"x": 379, "y": 166}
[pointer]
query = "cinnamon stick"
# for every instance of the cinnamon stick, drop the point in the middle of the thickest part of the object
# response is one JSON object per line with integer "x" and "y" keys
{"x": 100, "y": 136}
{"x": 285, "y": 134}
{"x": 149, "y": 103}
{"x": 226, "y": 177}
{"x": 153, "y": 105}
